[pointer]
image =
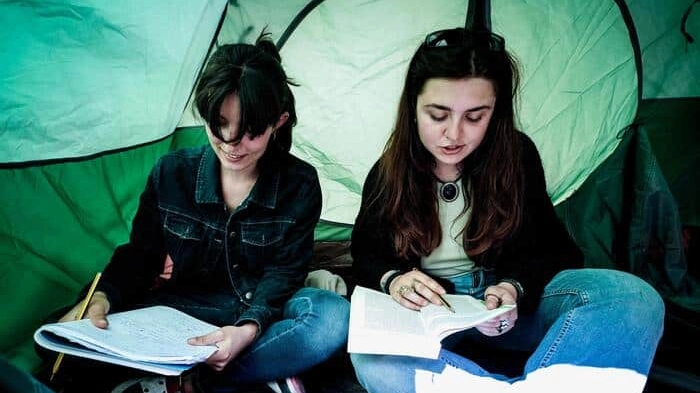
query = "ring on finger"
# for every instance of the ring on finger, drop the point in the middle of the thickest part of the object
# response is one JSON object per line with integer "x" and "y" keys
{"x": 498, "y": 299}
{"x": 403, "y": 290}
{"x": 415, "y": 283}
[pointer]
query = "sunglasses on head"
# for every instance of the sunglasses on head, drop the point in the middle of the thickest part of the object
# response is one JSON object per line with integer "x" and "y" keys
{"x": 480, "y": 39}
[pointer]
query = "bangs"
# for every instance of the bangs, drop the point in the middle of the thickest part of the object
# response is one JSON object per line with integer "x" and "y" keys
{"x": 260, "y": 104}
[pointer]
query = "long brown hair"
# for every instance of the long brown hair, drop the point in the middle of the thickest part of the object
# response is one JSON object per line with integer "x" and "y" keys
{"x": 405, "y": 197}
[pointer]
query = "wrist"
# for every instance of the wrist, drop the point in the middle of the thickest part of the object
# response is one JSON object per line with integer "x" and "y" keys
{"x": 387, "y": 278}
{"x": 251, "y": 328}
{"x": 519, "y": 290}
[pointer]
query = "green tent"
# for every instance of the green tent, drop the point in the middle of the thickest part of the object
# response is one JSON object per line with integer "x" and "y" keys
{"x": 93, "y": 92}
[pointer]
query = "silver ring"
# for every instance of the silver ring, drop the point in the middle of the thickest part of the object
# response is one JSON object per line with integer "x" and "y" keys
{"x": 503, "y": 324}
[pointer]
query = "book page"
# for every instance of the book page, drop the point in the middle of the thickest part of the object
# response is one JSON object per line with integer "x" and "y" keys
{"x": 380, "y": 325}
{"x": 152, "y": 334}
{"x": 52, "y": 342}
{"x": 381, "y": 312}
{"x": 469, "y": 312}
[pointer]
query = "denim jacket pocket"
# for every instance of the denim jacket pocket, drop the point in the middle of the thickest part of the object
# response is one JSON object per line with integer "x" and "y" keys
{"x": 188, "y": 241}
{"x": 182, "y": 227}
{"x": 261, "y": 240}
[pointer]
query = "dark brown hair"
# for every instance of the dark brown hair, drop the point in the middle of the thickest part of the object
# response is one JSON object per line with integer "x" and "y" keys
{"x": 405, "y": 194}
{"x": 255, "y": 73}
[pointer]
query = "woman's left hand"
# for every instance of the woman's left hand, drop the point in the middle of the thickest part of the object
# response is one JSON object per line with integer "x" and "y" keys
{"x": 495, "y": 296}
{"x": 230, "y": 340}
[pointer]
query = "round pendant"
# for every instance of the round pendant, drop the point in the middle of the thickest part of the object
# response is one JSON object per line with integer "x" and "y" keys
{"x": 449, "y": 191}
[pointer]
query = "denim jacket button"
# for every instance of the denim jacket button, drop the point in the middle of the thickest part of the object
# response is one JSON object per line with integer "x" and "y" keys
{"x": 248, "y": 295}
{"x": 232, "y": 234}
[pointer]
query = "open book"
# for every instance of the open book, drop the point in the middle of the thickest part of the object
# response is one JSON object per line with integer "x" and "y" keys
{"x": 152, "y": 339}
{"x": 380, "y": 325}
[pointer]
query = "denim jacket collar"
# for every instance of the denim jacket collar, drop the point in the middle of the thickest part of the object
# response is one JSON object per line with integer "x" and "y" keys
{"x": 208, "y": 188}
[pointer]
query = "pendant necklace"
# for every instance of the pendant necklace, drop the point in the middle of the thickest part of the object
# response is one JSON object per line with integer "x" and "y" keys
{"x": 449, "y": 191}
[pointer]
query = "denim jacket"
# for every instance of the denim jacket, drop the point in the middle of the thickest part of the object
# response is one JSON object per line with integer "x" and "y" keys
{"x": 267, "y": 241}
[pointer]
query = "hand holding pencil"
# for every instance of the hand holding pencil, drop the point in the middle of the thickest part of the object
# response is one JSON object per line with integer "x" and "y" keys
{"x": 415, "y": 289}
{"x": 95, "y": 306}
{"x": 78, "y": 312}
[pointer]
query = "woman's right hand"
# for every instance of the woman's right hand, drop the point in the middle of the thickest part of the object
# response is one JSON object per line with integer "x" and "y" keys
{"x": 230, "y": 341}
{"x": 416, "y": 289}
{"x": 96, "y": 310}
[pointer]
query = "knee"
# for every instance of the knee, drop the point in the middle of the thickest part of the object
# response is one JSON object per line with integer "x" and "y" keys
{"x": 328, "y": 315}
{"x": 633, "y": 291}
{"x": 327, "y": 303}
{"x": 628, "y": 292}
{"x": 642, "y": 300}
{"x": 613, "y": 289}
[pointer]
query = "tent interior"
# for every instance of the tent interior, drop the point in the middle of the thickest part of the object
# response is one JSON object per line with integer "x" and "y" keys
{"x": 94, "y": 92}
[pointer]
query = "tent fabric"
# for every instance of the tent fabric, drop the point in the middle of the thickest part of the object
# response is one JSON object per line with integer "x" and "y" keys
{"x": 667, "y": 122}
{"x": 670, "y": 60}
{"x": 625, "y": 217}
{"x": 588, "y": 48}
{"x": 59, "y": 224}
{"x": 94, "y": 92}
{"x": 108, "y": 75}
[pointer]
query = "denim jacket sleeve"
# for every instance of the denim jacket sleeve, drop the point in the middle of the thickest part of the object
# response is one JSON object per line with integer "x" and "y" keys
{"x": 285, "y": 274}
{"x": 134, "y": 265}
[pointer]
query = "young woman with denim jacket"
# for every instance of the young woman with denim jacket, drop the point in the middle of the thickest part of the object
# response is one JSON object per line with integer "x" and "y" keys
{"x": 225, "y": 233}
{"x": 458, "y": 203}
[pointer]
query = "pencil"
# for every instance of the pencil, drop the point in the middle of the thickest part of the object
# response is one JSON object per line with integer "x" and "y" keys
{"x": 444, "y": 302}
{"x": 88, "y": 297}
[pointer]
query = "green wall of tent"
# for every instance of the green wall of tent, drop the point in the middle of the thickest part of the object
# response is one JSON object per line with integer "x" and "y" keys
{"x": 93, "y": 92}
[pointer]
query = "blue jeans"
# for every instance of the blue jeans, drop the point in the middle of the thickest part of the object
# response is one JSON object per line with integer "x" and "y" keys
{"x": 314, "y": 327}
{"x": 586, "y": 317}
